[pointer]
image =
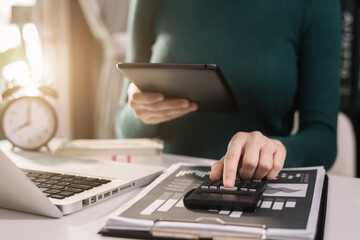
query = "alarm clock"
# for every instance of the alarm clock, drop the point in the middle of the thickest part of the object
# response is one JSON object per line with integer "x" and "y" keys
{"x": 28, "y": 122}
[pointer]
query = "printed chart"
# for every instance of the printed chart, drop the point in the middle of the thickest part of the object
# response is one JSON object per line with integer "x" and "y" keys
{"x": 286, "y": 202}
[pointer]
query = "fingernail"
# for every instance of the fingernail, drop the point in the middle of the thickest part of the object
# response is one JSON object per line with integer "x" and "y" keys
{"x": 193, "y": 107}
{"x": 229, "y": 182}
{"x": 184, "y": 103}
{"x": 159, "y": 97}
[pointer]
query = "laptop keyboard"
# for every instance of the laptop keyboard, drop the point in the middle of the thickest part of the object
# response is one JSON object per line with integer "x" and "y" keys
{"x": 60, "y": 186}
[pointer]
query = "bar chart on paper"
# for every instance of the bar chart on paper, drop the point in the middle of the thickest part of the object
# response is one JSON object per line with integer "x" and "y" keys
{"x": 175, "y": 190}
{"x": 287, "y": 196}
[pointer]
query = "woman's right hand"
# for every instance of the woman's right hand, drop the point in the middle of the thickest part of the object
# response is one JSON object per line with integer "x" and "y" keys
{"x": 153, "y": 108}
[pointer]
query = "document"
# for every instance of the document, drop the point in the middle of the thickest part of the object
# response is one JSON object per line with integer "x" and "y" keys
{"x": 110, "y": 147}
{"x": 288, "y": 209}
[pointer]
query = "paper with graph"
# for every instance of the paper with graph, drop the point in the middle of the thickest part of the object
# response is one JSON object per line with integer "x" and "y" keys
{"x": 288, "y": 209}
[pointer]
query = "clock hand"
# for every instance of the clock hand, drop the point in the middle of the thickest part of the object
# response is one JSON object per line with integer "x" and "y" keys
{"x": 28, "y": 118}
{"x": 28, "y": 112}
{"x": 27, "y": 123}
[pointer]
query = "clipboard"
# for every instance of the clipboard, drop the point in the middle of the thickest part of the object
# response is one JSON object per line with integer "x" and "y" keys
{"x": 157, "y": 233}
{"x": 251, "y": 231}
{"x": 161, "y": 230}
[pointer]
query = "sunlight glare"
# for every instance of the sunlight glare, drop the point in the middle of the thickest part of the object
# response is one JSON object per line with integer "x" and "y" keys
{"x": 15, "y": 70}
{"x": 30, "y": 33}
{"x": 32, "y": 89}
{"x": 33, "y": 50}
{"x": 10, "y": 37}
{"x": 34, "y": 54}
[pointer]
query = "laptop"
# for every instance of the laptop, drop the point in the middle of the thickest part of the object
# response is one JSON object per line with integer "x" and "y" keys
{"x": 53, "y": 186}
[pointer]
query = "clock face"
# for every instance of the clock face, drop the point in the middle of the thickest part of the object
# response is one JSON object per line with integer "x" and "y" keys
{"x": 29, "y": 122}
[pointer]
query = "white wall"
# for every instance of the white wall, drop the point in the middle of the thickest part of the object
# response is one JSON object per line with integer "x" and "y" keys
{"x": 346, "y": 157}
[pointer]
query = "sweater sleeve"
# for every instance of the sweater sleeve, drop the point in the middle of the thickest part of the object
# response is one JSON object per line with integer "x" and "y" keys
{"x": 318, "y": 87}
{"x": 141, "y": 34}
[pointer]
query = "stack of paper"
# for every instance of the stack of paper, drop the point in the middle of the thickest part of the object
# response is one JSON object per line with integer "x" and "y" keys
{"x": 110, "y": 147}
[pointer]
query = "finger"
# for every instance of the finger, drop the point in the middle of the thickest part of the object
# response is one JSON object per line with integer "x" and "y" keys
{"x": 132, "y": 89}
{"x": 217, "y": 170}
{"x": 232, "y": 158}
{"x": 167, "y": 104}
{"x": 155, "y": 117}
{"x": 279, "y": 160}
{"x": 266, "y": 160}
{"x": 250, "y": 159}
{"x": 147, "y": 98}
{"x": 164, "y": 116}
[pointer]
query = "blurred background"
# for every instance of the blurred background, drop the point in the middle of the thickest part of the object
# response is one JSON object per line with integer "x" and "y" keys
{"x": 73, "y": 46}
{"x": 68, "y": 45}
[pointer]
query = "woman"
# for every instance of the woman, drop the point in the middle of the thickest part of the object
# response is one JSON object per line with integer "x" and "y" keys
{"x": 278, "y": 57}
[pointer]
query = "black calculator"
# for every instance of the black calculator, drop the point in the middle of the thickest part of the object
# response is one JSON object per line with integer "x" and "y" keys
{"x": 244, "y": 196}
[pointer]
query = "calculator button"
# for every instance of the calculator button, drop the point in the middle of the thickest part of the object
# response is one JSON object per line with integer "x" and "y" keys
{"x": 228, "y": 189}
{"x": 244, "y": 189}
{"x": 242, "y": 186}
{"x": 208, "y": 183}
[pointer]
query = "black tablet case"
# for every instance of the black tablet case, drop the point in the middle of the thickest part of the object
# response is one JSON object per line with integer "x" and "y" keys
{"x": 203, "y": 84}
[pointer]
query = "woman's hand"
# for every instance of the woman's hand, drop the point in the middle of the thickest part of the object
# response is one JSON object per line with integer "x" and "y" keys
{"x": 153, "y": 108}
{"x": 253, "y": 155}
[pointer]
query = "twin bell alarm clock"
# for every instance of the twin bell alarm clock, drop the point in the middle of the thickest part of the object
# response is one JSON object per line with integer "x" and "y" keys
{"x": 28, "y": 122}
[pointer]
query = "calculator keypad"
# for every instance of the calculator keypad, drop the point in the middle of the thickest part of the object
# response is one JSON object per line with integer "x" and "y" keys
{"x": 241, "y": 186}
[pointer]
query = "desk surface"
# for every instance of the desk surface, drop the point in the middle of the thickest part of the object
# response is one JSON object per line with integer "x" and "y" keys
{"x": 343, "y": 211}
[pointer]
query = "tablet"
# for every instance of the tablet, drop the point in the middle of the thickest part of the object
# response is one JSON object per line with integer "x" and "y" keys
{"x": 203, "y": 84}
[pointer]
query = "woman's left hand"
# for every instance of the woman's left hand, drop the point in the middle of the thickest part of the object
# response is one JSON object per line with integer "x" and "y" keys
{"x": 253, "y": 155}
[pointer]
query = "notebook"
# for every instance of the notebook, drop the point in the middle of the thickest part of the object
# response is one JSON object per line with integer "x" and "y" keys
{"x": 54, "y": 186}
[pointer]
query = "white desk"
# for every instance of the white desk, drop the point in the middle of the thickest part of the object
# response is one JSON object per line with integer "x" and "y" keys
{"x": 342, "y": 218}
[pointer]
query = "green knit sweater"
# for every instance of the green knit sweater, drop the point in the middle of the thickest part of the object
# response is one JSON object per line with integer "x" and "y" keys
{"x": 278, "y": 56}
